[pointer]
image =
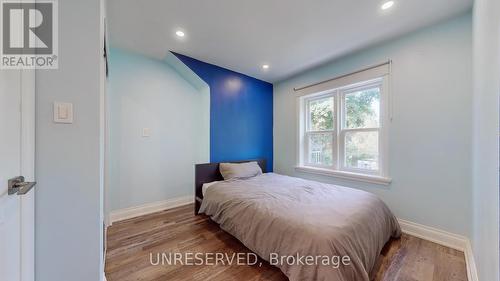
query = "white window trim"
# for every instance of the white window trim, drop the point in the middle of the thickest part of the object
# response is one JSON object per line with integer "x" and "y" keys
{"x": 337, "y": 170}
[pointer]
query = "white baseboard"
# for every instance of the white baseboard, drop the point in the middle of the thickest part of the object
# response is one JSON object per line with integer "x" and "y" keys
{"x": 451, "y": 240}
{"x": 471, "y": 263}
{"x": 435, "y": 235}
{"x": 132, "y": 212}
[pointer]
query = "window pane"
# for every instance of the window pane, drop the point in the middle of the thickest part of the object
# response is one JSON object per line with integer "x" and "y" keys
{"x": 320, "y": 149}
{"x": 363, "y": 108}
{"x": 361, "y": 150}
{"x": 321, "y": 114}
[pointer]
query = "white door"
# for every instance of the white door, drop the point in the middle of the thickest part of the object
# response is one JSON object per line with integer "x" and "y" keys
{"x": 16, "y": 159}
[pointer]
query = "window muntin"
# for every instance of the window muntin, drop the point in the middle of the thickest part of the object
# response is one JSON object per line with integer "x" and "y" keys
{"x": 344, "y": 129}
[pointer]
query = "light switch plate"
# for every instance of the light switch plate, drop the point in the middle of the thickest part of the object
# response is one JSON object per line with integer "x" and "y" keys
{"x": 63, "y": 112}
{"x": 146, "y": 132}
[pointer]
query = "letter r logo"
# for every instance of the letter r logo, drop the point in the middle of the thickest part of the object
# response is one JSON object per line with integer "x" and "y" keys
{"x": 27, "y": 28}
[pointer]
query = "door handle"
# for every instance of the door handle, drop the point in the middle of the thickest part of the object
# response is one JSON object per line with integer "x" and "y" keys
{"x": 19, "y": 186}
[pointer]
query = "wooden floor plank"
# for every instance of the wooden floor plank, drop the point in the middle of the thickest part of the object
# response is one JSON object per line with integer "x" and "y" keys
{"x": 131, "y": 243}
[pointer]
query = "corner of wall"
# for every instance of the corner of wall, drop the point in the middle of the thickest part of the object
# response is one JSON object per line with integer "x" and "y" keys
{"x": 186, "y": 72}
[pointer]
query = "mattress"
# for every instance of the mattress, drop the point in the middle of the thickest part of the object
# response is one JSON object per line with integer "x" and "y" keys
{"x": 278, "y": 217}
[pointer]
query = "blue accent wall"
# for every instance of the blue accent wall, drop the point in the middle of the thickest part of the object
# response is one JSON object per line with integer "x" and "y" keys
{"x": 241, "y": 113}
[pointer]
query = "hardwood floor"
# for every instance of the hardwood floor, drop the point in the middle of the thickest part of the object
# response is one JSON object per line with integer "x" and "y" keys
{"x": 130, "y": 243}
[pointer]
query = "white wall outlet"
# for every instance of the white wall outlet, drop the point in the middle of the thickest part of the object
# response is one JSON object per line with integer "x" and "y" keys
{"x": 63, "y": 112}
{"x": 146, "y": 132}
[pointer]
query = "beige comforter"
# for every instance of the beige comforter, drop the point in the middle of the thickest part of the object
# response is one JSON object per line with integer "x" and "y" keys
{"x": 275, "y": 215}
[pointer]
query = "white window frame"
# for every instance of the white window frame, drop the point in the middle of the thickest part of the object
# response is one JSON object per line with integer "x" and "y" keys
{"x": 338, "y": 168}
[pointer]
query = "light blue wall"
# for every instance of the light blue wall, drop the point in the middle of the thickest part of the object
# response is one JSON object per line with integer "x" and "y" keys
{"x": 486, "y": 128}
{"x": 68, "y": 194}
{"x": 430, "y": 135}
{"x": 148, "y": 93}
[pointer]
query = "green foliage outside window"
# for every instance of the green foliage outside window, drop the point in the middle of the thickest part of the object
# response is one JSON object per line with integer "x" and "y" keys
{"x": 362, "y": 111}
{"x": 321, "y": 114}
{"x": 359, "y": 107}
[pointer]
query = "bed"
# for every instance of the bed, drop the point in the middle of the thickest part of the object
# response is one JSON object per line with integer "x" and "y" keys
{"x": 278, "y": 217}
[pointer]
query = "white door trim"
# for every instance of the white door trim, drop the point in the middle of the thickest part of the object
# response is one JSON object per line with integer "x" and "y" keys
{"x": 28, "y": 171}
{"x": 28, "y": 113}
{"x": 28, "y": 124}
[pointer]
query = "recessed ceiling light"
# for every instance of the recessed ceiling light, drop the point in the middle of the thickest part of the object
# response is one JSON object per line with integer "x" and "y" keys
{"x": 265, "y": 66}
{"x": 180, "y": 33}
{"x": 387, "y": 5}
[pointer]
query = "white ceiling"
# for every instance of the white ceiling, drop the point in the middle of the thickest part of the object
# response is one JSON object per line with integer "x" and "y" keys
{"x": 289, "y": 35}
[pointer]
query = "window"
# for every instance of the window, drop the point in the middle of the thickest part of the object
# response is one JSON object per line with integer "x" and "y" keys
{"x": 320, "y": 133}
{"x": 343, "y": 131}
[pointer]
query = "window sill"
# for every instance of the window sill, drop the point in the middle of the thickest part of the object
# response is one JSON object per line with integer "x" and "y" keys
{"x": 345, "y": 175}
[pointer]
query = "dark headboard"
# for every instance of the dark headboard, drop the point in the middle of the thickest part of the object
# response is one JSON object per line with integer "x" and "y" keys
{"x": 209, "y": 172}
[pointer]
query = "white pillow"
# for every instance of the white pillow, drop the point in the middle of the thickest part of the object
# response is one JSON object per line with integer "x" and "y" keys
{"x": 239, "y": 170}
